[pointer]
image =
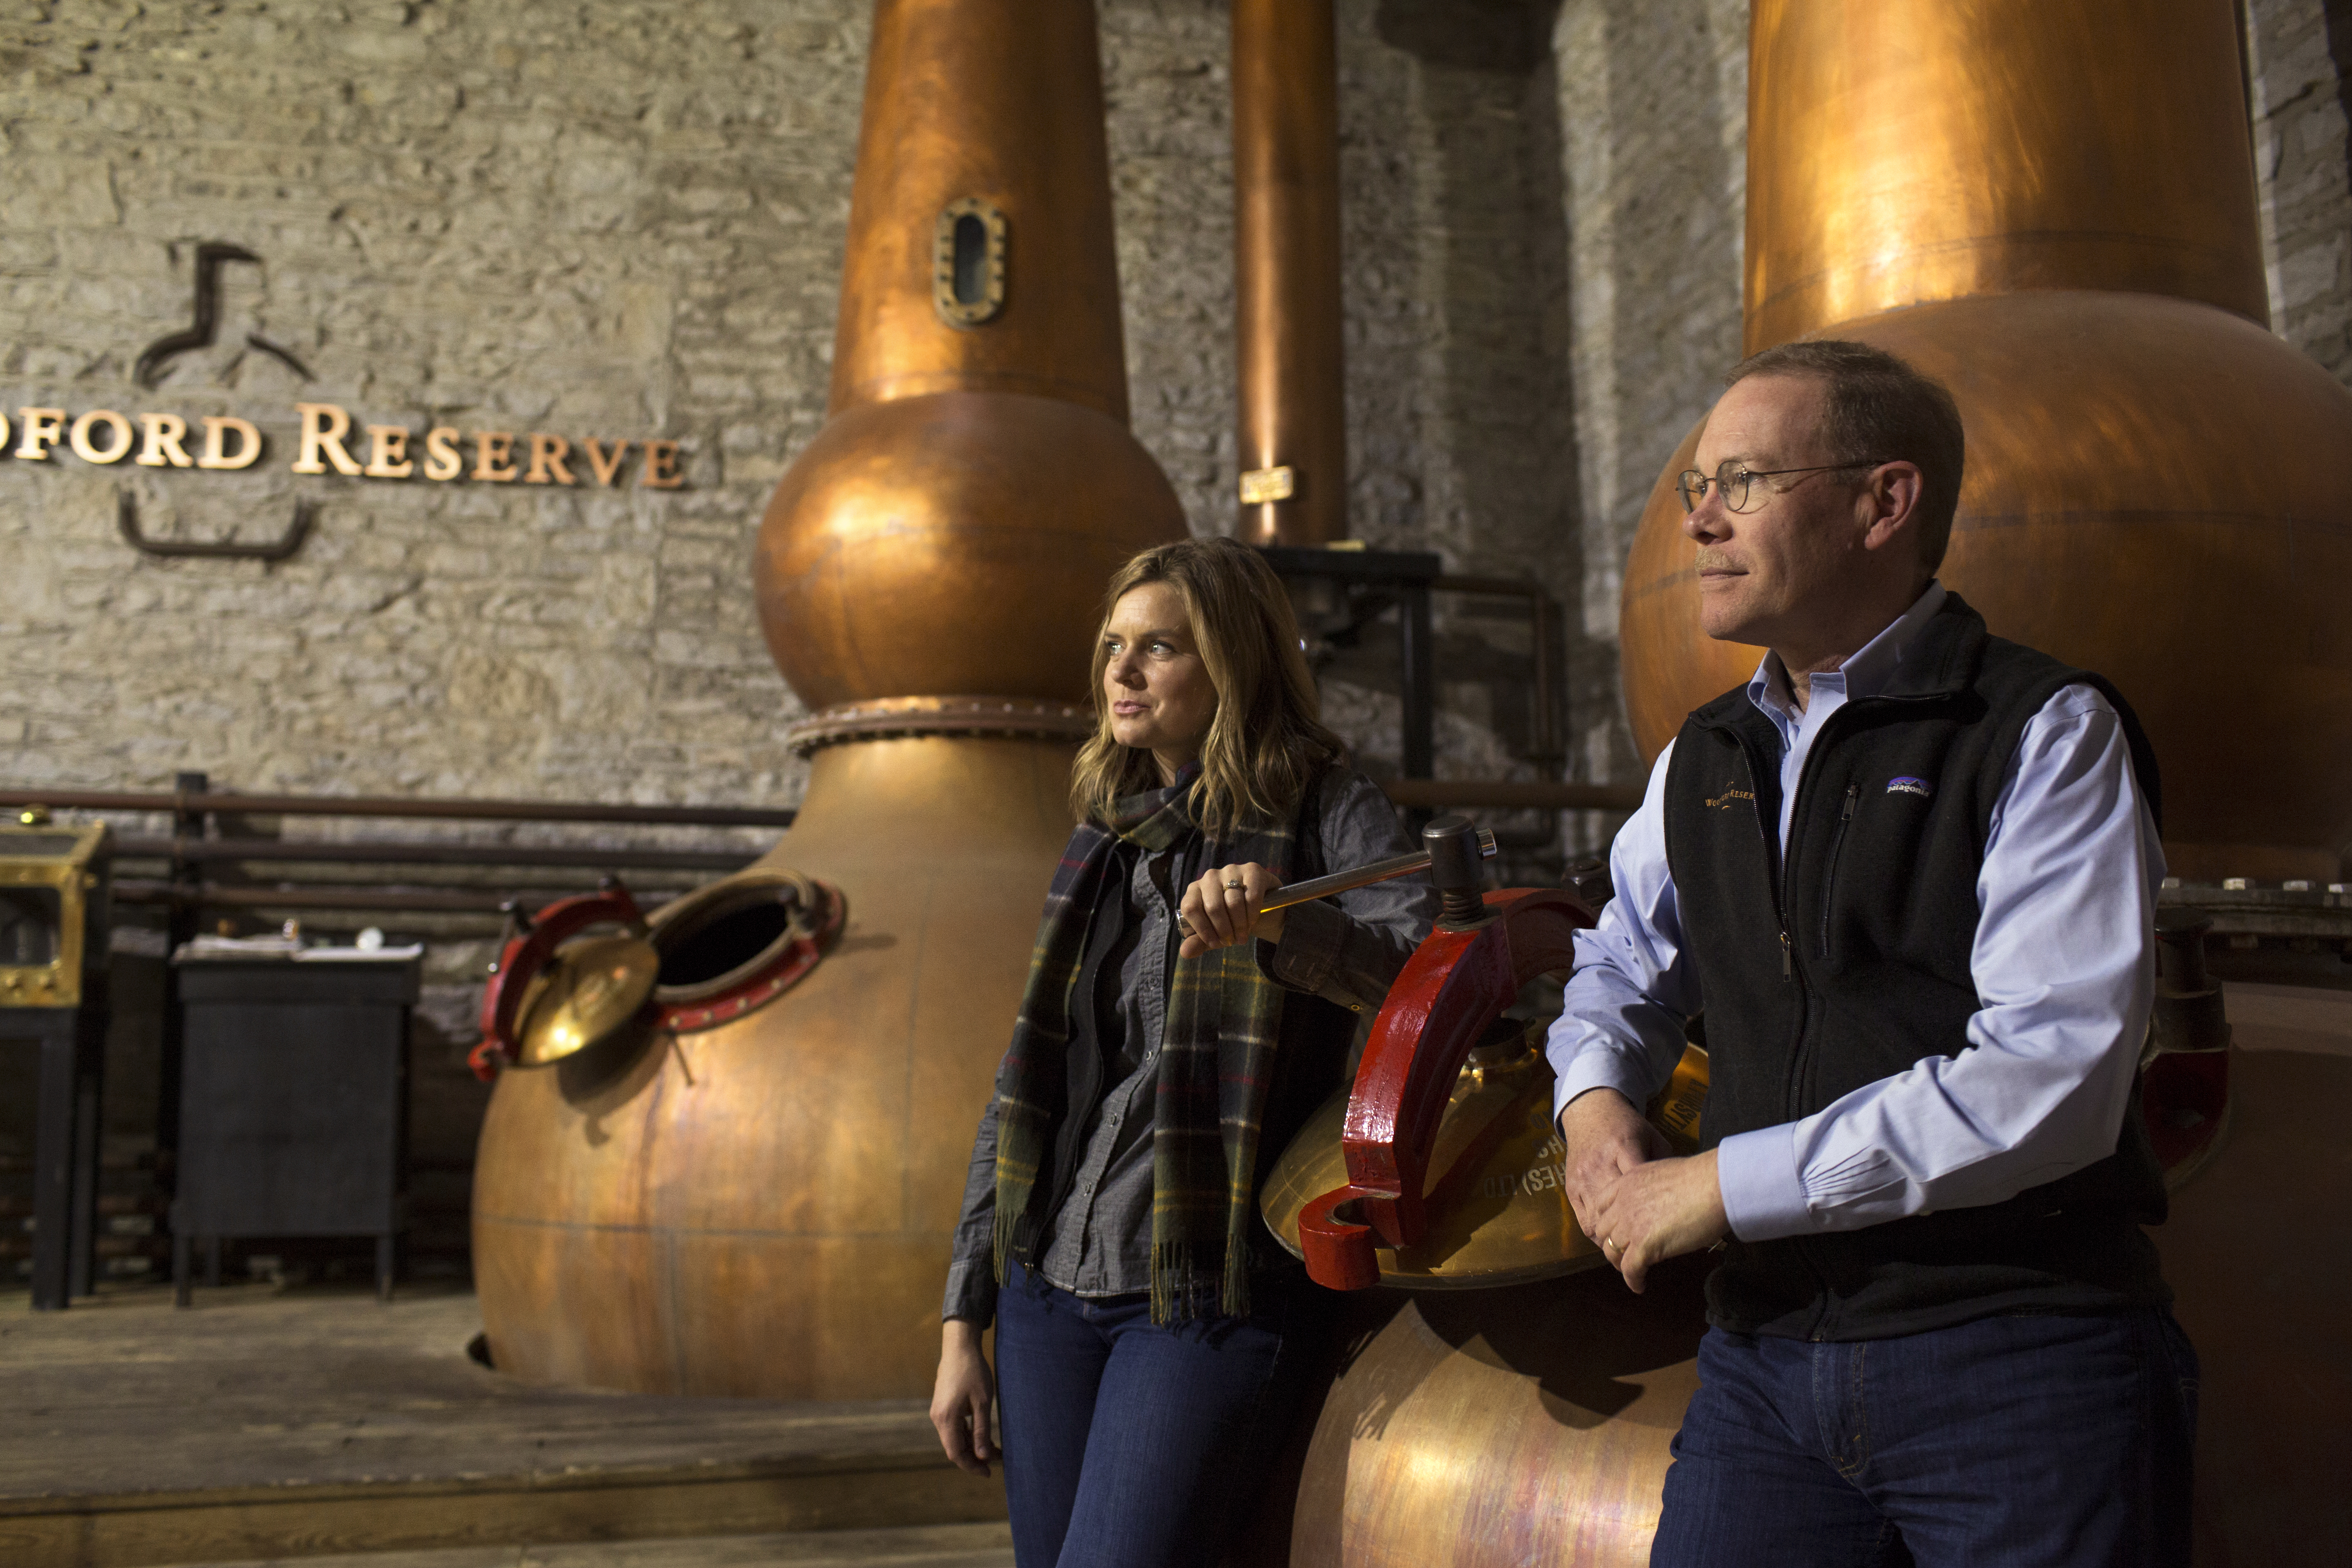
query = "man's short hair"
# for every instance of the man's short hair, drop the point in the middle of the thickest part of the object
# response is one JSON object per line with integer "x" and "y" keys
{"x": 1879, "y": 408}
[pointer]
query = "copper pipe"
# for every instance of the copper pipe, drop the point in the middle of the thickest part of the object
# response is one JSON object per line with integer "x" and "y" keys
{"x": 1901, "y": 154}
{"x": 1286, "y": 289}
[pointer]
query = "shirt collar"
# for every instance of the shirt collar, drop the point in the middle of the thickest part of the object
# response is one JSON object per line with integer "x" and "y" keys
{"x": 1866, "y": 672}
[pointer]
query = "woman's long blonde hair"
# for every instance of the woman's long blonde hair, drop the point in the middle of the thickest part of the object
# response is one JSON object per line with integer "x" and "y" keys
{"x": 1266, "y": 742}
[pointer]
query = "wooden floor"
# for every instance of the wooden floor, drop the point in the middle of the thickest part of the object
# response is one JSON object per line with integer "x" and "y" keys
{"x": 265, "y": 1426}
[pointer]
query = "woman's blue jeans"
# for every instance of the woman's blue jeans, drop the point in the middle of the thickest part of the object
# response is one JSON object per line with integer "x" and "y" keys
{"x": 1127, "y": 1445}
{"x": 2010, "y": 1442}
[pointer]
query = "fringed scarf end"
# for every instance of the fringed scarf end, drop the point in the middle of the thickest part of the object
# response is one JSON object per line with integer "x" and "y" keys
{"x": 1182, "y": 1291}
{"x": 1015, "y": 1236}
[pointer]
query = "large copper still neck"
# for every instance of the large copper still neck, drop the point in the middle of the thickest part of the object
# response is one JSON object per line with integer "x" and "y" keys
{"x": 984, "y": 101}
{"x": 1901, "y": 151}
{"x": 947, "y": 534}
{"x": 1286, "y": 300}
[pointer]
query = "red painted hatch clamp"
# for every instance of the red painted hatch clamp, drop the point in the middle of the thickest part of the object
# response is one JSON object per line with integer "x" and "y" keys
{"x": 1453, "y": 989}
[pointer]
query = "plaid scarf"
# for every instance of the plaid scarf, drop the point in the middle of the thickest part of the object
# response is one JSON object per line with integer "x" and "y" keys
{"x": 1216, "y": 1060}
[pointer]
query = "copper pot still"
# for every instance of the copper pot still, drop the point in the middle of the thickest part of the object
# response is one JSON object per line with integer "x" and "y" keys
{"x": 2052, "y": 208}
{"x": 752, "y": 1193}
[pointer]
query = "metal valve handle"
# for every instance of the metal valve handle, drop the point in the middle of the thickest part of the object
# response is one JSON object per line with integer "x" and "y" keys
{"x": 1364, "y": 876}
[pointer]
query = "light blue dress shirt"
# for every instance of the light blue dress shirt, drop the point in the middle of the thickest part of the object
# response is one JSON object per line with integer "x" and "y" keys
{"x": 2062, "y": 960}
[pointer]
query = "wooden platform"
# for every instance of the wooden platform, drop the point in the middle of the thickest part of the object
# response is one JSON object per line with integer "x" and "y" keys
{"x": 262, "y": 1425}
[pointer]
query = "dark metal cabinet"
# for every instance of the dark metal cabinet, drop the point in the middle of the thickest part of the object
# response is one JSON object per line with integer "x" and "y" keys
{"x": 293, "y": 1096}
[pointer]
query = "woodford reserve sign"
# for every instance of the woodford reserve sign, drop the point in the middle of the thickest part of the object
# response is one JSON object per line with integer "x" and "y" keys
{"x": 328, "y": 444}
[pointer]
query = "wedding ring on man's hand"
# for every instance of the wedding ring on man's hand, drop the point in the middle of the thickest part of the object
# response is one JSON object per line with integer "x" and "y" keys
{"x": 1235, "y": 887}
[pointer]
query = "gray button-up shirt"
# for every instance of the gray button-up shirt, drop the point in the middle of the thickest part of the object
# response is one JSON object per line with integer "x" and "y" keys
{"x": 1347, "y": 950}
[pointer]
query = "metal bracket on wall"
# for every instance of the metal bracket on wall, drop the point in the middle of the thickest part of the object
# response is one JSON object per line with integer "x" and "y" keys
{"x": 126, "y": 518}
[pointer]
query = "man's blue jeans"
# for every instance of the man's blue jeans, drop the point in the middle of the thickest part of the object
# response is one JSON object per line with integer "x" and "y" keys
{"x": 1127, "y": 1445}
{"x": 2013, "y": 1442}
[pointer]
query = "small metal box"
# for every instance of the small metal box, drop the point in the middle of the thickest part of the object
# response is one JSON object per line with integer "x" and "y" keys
{"x": 53, "y": 912}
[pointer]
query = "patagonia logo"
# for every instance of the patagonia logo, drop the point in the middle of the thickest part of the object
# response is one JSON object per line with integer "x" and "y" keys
{"x": 1730, "y": 793}
{"x": 1904, "y": 783}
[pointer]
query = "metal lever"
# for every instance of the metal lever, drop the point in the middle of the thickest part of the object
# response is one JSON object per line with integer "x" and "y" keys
{"x": 1364, "y": 876}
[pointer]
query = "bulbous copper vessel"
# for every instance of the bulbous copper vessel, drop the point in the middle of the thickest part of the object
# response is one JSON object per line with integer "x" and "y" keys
{"x": 761, "y": 1203}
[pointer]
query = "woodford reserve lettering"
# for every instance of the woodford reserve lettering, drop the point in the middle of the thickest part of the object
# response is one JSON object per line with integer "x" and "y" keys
{"x": 327, "y": 444}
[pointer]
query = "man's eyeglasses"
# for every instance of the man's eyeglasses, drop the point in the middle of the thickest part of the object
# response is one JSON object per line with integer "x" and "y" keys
{"x": 1737, "y": 483}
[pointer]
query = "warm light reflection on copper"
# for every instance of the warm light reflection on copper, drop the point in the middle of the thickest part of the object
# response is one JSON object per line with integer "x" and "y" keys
{"x": 1904, "y": 151}
{"x": 1286, "y": 284}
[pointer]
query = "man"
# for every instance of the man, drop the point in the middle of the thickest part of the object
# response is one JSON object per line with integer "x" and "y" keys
{"x": 1908, "y": 874}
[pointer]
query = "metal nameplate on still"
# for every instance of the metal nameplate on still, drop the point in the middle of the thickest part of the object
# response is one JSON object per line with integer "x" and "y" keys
{"x": 1260, "y": 486}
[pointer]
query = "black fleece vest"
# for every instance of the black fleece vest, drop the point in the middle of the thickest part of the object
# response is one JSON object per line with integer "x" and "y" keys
{"x": 1850, "y": 964}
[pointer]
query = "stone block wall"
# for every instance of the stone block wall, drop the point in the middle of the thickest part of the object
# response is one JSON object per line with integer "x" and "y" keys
{"x": 1653, "y": 112}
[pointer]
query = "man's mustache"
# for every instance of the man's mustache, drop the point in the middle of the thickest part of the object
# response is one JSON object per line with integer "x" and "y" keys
{"x": 1710, "y": 561}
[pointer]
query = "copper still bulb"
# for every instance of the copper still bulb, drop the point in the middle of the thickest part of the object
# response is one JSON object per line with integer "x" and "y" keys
{"x": 763, "y": 1206}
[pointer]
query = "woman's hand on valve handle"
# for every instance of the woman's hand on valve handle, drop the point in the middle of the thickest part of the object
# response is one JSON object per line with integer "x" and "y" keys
{"x": 1221, "y": 908}
{"x": 1636, "y": 1201}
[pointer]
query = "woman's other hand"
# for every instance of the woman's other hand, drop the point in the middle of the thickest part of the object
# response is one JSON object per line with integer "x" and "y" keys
{"x": 964, "y": 1398}
{"x": 1221, "y": 909}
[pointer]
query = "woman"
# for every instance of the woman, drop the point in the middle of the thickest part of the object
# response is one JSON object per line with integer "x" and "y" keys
{"x": 1149, "y": 1330}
